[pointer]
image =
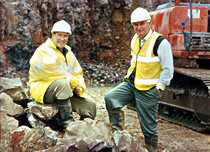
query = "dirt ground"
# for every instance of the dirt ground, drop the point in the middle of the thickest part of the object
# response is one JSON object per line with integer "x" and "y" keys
{"x": 171, "y": 136}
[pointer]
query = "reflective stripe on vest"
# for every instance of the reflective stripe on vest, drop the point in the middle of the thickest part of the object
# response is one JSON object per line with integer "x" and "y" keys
{"x": 53, "y": 61}
{"x": 133, "y": 42}
{"x": 144, "y": 79}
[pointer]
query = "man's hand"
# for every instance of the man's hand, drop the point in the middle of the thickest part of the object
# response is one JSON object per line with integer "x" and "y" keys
{"x": 158, "y": 90}
{"x": 78, "y": 90}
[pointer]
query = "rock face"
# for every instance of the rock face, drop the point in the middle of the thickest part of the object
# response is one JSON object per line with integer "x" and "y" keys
{"x": 101, "y": 29}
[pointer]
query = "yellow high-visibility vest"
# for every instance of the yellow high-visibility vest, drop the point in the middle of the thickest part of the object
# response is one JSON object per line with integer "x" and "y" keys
{"x": 147, "y": 65}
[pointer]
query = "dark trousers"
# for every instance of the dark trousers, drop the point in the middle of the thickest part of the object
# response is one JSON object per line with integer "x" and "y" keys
{"x": 146, "y": 104}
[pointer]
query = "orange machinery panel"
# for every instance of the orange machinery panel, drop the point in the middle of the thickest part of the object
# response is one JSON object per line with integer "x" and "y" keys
{"x": 167, "y": 21}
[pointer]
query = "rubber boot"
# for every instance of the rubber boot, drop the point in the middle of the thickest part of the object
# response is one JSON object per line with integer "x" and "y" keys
{"x": 117, "y": 120}
{"x": 151, "y": 144}
{"x": 65, "y": 109}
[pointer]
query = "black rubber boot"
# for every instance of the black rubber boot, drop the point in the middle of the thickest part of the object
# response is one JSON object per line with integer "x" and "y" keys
{"x": 65, "y": 109}
{"x": 151, "y": 144}
{"x": 59, "y": 124}
{"x": 117, "y": 120}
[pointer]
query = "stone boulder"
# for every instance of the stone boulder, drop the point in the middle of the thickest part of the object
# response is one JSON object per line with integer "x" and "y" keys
{"x": 25, "y": 139}
{"x": 14, "y": 88}
{"x": 125, "y": 142}
{"x": 8, "y": 124}
{"x": 39, "y": 114}
{"x": 13, "y": 109}
{"x": 85, "y": 136}
{"x": 43, "y": 111}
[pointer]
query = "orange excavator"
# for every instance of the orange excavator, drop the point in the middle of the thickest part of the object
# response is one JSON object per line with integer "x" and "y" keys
{"x": 186, "y": 25}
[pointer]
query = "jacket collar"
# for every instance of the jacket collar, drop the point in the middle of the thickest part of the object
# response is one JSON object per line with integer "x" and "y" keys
{"x": 52, "y": 45}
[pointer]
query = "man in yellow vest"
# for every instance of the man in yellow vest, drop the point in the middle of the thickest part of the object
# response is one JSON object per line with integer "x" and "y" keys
{"x": 145, "y": 81}
{"x": 55, "y": 76}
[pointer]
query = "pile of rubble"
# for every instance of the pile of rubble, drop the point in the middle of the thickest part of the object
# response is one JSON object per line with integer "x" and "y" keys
{"x": 104, "y": 73}
{"x": 28, "y": 126}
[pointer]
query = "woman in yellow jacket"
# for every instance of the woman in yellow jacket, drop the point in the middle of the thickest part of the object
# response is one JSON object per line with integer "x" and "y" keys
{"x": 55, "y": 76}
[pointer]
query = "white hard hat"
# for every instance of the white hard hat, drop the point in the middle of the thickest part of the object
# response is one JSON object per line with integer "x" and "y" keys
{"x": 61, "y": 26}
{"x": 140, "y": 14}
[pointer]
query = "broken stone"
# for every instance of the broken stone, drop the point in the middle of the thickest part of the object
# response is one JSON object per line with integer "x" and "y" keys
{"x": 95, "y": 134}
{"x": 69, "y": 145}
{"x": 43, "y": 111}
{"x": 19, "y": 134}
{"x": 49, "y": 132}
{"x": 33, "y": 139}
{"x": 13, "y": 109}
{"x": 8, "y": 124}
{"x": 13, "y": 87}
{"x": 34, "y": 121}
{"x": 125, "y": 142}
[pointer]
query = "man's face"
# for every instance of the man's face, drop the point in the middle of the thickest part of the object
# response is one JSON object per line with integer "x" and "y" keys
{"x": 60, "y": 39}
{"x": 141, "y": 28}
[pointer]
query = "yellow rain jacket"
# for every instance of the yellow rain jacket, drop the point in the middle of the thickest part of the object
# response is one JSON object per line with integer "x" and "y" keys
{"x": 49, "y": 64}
{"x": 147, "y": 65}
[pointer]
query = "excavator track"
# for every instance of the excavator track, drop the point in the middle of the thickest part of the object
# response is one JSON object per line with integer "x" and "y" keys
{"x": 186, "y": 101}
{"x": 183, "y": 117}
{"x": 201, "y": 74}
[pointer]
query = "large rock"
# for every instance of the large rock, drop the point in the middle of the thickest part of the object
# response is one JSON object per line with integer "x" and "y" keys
{"x": 8, "y": 124}
{"x": 13, "y": 109}
{"x": 84, "y": 136}
{"x": 25, "y": 139}
{"x": 39, "y": 114}
{"x": 125, "y": 142}
{"x": 17, "y": 135}
{"x": 93, "y": 133}
{"x": 14, "y": 88}
{"x": 43, "y": 111}
{"x": 34, "y": 121}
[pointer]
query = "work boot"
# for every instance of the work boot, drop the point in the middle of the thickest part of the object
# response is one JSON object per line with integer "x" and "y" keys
{"x": 151, "y": 144}
{"x": 65, "y": 109}
{"x": 117, "y": 120}
{"x": 59, "y": 124}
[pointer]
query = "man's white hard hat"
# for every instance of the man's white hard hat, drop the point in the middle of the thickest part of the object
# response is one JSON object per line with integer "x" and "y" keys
{"x": 140, "y": 14}
{"x": 61, "y": 26}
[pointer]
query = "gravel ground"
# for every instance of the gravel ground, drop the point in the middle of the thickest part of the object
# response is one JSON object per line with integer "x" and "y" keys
{"x": 172, "y": 137}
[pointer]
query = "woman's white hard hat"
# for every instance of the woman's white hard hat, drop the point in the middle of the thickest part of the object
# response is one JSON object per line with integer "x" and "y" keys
{"x": 140, "y": 14}
{"x": 61, "y": 26}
